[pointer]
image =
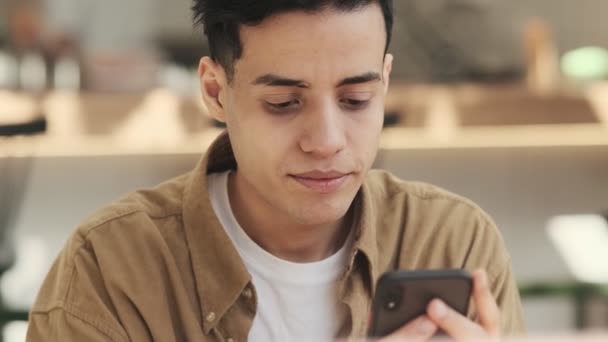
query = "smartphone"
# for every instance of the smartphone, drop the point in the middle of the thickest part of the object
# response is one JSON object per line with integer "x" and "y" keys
{"x": 402, "y": 296}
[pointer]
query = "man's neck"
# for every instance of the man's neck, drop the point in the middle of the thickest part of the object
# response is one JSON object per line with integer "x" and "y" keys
{"x": 284, "y": 239}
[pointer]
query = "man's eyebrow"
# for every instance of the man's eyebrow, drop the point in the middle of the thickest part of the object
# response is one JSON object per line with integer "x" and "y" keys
{"x": 278, "y": 81}
{"x": 364, "y": 78}
{"x": 273, "y": 80}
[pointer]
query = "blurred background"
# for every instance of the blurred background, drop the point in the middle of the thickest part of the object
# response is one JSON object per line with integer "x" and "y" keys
{"x": 505, "y": 102}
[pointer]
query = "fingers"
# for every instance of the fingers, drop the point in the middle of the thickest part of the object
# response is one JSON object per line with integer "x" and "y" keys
{"x": 459, "y": 326}
{"x": 419, "y": 330}
{"x": 456, "y": 325}
{"x": 488, "y": 312}
{"x": 453, "y": 323}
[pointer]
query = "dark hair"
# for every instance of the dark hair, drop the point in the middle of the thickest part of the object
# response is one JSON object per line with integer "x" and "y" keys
{"x": 222, "y": 20}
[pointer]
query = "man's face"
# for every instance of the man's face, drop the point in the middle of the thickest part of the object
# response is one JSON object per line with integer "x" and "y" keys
{"x": 305, "y": 110}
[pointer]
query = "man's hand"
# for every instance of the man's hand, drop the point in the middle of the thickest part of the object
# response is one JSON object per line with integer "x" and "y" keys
{"x": 419, "y": 330}
{"x": 455, "y": 325}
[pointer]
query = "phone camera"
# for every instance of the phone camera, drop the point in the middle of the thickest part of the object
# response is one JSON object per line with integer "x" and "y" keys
{"x": 392, "y": 300}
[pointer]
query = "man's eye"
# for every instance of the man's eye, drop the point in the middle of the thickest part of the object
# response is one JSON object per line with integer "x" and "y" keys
{"x": 354, "y": 104}
{"x": 283, "y": 106}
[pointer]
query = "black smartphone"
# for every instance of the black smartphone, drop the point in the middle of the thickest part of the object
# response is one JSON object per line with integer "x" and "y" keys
{"x": 402, "y": 296}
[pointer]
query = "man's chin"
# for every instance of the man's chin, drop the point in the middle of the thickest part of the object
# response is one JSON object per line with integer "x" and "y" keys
{"x": 316, "y": 209}
{"x": 320, "y": 215}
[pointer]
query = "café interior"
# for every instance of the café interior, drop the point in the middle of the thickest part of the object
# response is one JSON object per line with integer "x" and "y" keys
{"x": 503, "y": 102}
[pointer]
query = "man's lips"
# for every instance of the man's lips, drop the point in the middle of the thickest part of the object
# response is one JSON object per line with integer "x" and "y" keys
{"x": 322, "y": 181}
{"x": 321, "y": 174}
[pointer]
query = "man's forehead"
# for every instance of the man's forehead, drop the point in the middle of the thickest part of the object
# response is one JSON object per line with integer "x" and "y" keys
{"x": 300, "y": 33}
{"x": 303, "y": 46}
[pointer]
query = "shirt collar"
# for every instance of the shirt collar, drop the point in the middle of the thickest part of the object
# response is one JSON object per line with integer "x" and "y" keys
{"x": 219, "y": 272}
{"x": 366, "y": 241}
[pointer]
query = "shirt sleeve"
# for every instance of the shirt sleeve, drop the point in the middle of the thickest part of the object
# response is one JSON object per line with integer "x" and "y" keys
{"x": 488, "y": 251}
{"x": 506, "y": 292}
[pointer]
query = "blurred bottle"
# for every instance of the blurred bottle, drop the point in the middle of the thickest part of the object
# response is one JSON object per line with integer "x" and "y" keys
{"x": 27, "y": 69}
{"x": 45, "y": 58}
{"x": 66, "y": 68}
{"x": 33, "y": 72}
{"x": 542, "y": 58}
{"x": 9, "y": 75}
{"x": 25, "y": 39}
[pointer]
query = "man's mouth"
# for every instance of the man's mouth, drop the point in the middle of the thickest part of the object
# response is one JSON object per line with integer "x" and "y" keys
{"x": 322, "y": 181}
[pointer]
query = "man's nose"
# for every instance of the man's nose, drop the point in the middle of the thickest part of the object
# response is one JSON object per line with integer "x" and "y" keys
{"x": 324, "y": 135}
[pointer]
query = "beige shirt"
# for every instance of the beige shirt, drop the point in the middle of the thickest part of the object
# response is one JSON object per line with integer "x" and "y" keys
{"x": 158, "y": 266}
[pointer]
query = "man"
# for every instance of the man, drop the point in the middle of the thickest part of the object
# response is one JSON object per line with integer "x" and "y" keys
{"x": 280, "y": 232}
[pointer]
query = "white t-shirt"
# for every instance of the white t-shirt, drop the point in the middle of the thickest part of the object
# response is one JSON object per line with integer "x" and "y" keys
{"x": 296, "y": 301}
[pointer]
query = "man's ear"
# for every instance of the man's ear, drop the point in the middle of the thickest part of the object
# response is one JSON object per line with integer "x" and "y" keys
{"x": 213, "y": 87}
{"x": 386, "y": 72}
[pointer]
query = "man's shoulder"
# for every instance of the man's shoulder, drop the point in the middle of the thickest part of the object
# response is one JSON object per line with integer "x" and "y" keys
{"x": 386, "y": 186}
{"x": 136, "y": 210}
{"x": 117, "y": 247}
{"x": 433, "y": 227}
{"x": 142, "y": 218}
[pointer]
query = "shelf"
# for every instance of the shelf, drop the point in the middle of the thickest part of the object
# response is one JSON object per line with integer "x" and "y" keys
{"x": 429, "y": 117}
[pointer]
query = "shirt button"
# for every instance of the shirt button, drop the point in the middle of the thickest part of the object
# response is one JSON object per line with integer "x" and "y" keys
{"x": 247, "y": 293}
{"x": 210, "y": 317}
